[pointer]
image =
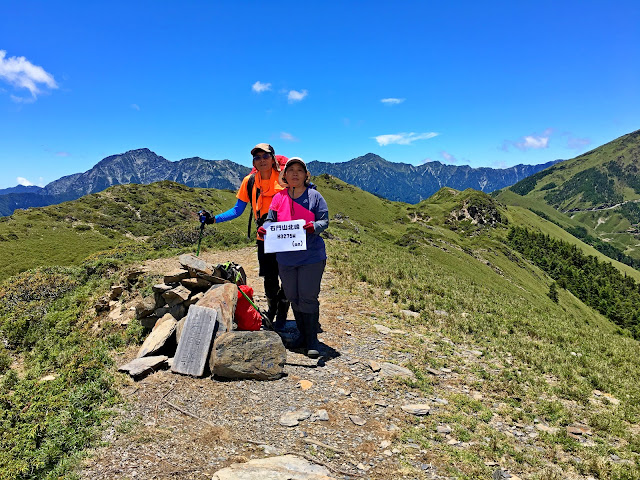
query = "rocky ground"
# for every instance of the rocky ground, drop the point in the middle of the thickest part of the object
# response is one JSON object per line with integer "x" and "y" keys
{"x": 350, "y": 412}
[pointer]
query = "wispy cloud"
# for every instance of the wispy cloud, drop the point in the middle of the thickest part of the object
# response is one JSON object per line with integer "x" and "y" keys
{"x": 260, "y": 87}
{"x": 135, "y": 106}
{"x": 296, "y": 96}
{"x": 403, "y": 138}
{"x": 528, "y": 142}
{"x": 63, "y": 154}
{"x": 576, "y": 143}
{"x": 448, "y": 157}
{"x": 21, "y": 73}
{"x": 288, "y": 137}
{"x": 392, "y": 101}
{"x": 24, "y": 182}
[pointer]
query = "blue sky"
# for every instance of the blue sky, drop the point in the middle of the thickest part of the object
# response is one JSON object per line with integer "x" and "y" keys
{"x": 477, "y": 83}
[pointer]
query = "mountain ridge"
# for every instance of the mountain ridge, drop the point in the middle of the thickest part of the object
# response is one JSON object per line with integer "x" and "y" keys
{"x": 390, "y": 180}
{"x": 139, "y": 166}
{"x": 594, "y": 196}
{"x": 412, "y": 184}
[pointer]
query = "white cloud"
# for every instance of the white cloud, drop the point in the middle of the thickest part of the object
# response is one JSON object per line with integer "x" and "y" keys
{"x": 528, "y": 142}
{"x": 260, "y": 87}
{"x": 24, "y": 182}
{"x": 531, "y": 141}
{"x": 17, "y": 99}
{"x": 295, "y": 96}
{"x": 392, "y": 101}
{"x": 403, "y": 138}
{"x": 448, "y": 157}
{"x": 135, "y": 106}
{"x": 288, "y": 137}
{"x": 21, "y": 73}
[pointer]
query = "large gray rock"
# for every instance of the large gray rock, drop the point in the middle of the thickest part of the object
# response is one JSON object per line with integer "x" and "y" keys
{"x": 175, "y": 276}
{"x": 257, "y": 355}
{"x": 161, "y": 287}
{"x": 196, "y": 284}
{"x": 145, "y": 307}
{"x": 194, "y": 264}
{"x": 392, "y": 370}
{"x": 158, "y": 337}
{"x": 417, "y": 408}
{"x": 285, "y": 467}
{"x": 176, "y": 295}
{"x": 223, "y": 298}
{"x": 140, "y": 366}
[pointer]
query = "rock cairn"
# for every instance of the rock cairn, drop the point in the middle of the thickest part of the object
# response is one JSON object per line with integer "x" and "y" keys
{"x": 191, "y": 317}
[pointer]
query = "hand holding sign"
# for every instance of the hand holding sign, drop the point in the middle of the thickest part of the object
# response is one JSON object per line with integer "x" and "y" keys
{"x": 285, "y": 236}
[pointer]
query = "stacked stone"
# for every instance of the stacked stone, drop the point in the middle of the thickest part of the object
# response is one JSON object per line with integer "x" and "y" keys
{"x": 188, "y": 333}
{"x": 180, "y": 289}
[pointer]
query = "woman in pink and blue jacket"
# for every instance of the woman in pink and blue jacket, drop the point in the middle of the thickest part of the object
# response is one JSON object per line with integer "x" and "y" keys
{"x": 301, "y": 271}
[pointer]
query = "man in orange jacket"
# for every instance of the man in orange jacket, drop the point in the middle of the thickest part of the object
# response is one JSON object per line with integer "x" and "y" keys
{"x": 258, "y": 189}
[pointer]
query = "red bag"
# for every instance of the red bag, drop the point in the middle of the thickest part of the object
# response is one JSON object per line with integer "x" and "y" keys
{"x": 246, "y": 317}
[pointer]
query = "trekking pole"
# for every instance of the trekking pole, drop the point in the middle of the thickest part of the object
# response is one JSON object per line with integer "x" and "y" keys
{"x": 203, "y": 215}
{"x": 199, "y": 239}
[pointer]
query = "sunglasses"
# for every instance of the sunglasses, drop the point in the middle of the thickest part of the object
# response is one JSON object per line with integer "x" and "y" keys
{"x": 264, "y": 156}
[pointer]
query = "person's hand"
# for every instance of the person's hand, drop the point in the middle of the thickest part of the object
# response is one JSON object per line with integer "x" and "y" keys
{"x": 206, "y": 217}
{"x": 261, "y": 232}
{"x": 309, "y": 228}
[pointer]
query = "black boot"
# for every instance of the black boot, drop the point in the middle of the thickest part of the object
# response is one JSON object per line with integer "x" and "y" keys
{"x": 272, "y": 307}
{"x": 312, "y": 344}
{"x": 281, "y": 314}
{"x": 300, "y": 342}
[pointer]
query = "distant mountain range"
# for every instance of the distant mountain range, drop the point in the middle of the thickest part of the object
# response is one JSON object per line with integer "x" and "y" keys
{"x": 140, "y": 166}
{"x": 412, "y": 184}
{"x": 394, "y": 181}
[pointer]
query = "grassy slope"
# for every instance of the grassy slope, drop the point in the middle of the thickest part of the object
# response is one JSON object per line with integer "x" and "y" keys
{"x": 121, "y": 216}
{"x": 624, "y": 147}
{"x": 495, "y": 300}
{"x": 608, "y": 225}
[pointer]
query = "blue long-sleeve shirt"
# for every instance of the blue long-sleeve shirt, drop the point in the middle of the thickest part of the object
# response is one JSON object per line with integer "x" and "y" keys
{"x": 233, "y": 212}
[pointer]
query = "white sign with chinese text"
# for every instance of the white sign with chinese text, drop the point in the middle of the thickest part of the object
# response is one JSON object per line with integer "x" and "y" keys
{"x": 285, "y": 236}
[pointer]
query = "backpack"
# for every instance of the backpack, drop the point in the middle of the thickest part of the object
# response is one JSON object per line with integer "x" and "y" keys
{"x": 245, "y": 316}
{"x": 233, "y": 272}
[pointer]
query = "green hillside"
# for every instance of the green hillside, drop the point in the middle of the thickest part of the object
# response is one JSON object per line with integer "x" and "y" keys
{"x": 150, "y": 217}
{"x": 450, "y": 253}
{"x": 596, "y": 196}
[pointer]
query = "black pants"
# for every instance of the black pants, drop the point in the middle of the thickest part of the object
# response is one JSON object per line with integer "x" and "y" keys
{"x": 269, "y": 271}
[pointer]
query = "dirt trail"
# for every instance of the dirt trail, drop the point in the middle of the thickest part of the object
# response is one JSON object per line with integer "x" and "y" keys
{"x": 233, "y": 421}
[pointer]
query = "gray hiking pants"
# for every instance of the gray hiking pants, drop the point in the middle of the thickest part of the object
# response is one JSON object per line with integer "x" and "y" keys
{"x": 302, "y": 285}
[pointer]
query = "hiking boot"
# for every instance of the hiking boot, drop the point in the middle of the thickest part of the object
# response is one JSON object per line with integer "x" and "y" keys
{"x": 311, "y": 334}
{"x": 279, "y": 325}
{"x": 300, "y": 341}
{"x": 272, "y": 308}
{"x": 281, "y": 315}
